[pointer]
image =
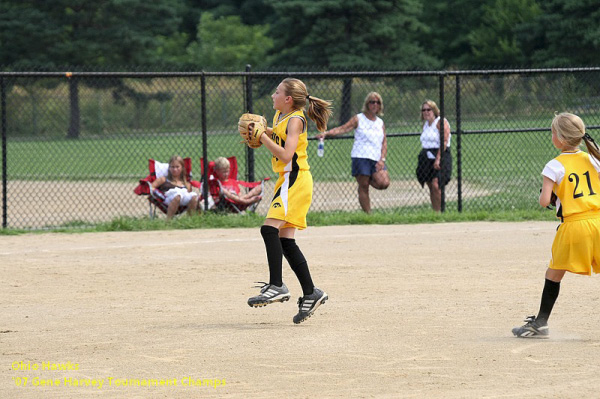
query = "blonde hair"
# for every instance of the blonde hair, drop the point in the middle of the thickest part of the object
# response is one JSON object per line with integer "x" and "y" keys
{"x": 318, "y": 110}
{"x": 373, "y": 94}
{"x": 570, "y": 130}
{"x": 184, "y": 172}
{"x": 221, "y": 163}
{"x": 434, "y": 107}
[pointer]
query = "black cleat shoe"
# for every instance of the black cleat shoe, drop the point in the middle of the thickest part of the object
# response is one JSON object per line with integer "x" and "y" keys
{"x": 268, "y": 294}
{"x": 308, "y": 304}
{"x": 533, "y": 329}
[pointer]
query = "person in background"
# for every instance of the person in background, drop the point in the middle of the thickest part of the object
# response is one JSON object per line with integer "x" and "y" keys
{"x": 222, "y": 168}
{"x": 429, "y": 167}
{"x": 176, "y": 188}
{"x": 369, "y": 149}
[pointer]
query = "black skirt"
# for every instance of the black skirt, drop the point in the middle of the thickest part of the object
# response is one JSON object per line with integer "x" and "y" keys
{"x": 425, "y": 170}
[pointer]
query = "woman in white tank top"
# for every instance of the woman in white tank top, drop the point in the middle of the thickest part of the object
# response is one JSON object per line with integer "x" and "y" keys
{"x": 429, "y": 167}
{"x": 369, "y": 149}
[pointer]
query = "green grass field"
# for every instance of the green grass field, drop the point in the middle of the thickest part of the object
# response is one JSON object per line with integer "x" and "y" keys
{"x": 485, "y": 156}
{"x": 212, "y": 220}
{"x": 487, "y": 159}
{"x": 500, "y": 172}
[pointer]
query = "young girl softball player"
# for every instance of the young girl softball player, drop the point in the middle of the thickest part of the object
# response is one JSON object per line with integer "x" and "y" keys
{"x": 573, "y": 177}
{"x": 293, "y": 194}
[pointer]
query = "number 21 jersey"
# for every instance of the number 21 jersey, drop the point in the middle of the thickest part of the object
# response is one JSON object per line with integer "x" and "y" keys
{"x": 576, "y": 182}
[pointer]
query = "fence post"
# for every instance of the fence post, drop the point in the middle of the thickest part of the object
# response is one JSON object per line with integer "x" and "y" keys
{"x": 458, "y": 143}
{"x": 441, "y": 180}
{"x": 204, "y": 139}
{"x": 4, "y": 155}
{"x": 249, "y": 108}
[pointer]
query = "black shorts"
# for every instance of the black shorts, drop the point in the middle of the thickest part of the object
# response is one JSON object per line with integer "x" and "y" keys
{"x": 425, "y": 170}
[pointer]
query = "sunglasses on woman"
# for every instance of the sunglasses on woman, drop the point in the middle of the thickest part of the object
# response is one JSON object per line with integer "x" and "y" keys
{"x": 426, "y": 109}
{"x": 375, "y": 102}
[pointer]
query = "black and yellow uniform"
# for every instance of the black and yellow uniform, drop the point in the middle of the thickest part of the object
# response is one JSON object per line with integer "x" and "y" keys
{"x": 576, "y": 247}
{"x": 293, "y": 189}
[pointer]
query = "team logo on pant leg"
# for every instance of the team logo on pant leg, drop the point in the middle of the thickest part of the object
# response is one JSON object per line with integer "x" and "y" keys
{"x": 276, "y": 205}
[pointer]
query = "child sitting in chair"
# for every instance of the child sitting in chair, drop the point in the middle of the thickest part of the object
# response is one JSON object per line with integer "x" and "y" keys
{"x": 231, "y": 189}
{"x": 176, "y": 188}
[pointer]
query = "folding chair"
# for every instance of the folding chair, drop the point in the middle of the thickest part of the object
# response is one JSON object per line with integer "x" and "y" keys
{"x": 215, "y": 187}
{"x": 156, "y": 198}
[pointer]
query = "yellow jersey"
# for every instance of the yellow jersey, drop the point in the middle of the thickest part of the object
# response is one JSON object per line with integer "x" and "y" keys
{"x": 300, "y": 159}
{"x": 577, "y": 186}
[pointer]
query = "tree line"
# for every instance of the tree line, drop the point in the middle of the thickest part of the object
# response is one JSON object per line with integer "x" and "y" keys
{"x": 222, "y": 35}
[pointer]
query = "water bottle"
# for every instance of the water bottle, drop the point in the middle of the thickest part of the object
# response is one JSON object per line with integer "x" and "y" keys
{"x": 321, "y": 147}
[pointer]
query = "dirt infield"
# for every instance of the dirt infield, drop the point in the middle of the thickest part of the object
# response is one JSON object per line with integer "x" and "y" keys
{"x": 415, "y": 311}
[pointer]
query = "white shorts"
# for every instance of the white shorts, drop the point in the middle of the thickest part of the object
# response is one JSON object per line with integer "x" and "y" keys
{"x": 186, "y": 196}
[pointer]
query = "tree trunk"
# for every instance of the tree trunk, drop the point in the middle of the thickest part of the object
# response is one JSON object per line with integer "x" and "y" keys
{"x": 74, "y": 125}
{"x": 346, "y": 108}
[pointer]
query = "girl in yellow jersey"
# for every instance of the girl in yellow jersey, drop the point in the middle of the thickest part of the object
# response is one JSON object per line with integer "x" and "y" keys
{"x": 287, "y": 141}
{"x": 573, "y": 176}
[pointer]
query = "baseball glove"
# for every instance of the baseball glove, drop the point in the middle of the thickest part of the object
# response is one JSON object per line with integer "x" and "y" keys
{"x": 251, "y": 127}
{"x": 553, "y": 199}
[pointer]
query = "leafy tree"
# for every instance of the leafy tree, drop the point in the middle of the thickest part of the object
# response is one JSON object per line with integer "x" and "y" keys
{"x": 566, "y": 33}
{"x": 225, "y": 43}
{"x": 27, "y": 34}
{"x": 495, "y": 42}
{"x": 191, "y": 15}
{"x": 251, "y": 12}
{"x": 375, "y": 34}
{"x": 172, "y": 51}
{"x": 449, "y": 24}
{"x": 44, "y": 34}
{"x": 36, "y": 33}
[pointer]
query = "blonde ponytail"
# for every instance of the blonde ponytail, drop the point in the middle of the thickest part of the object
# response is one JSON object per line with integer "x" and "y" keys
{"x": 318, "y": 110}
{"x": 570, "y": 129}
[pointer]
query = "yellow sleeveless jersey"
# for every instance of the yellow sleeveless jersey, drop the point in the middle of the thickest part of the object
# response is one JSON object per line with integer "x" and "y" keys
{"x": 579, "y": 190}
{"x": 300, "y": 159}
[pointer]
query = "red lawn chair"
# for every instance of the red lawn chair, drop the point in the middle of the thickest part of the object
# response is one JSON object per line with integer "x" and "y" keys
{"x": 156, "y": 198}
{"x": 215, "y": 187}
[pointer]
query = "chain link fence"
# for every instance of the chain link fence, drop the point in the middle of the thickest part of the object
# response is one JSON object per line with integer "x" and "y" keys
{"x": 75, "y": 145}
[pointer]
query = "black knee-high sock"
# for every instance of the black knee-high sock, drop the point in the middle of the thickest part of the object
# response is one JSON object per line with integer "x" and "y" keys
{"x": 298, "y": 264}
{"x": 274, "y": 254}
{"x": 549, "y": 295}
